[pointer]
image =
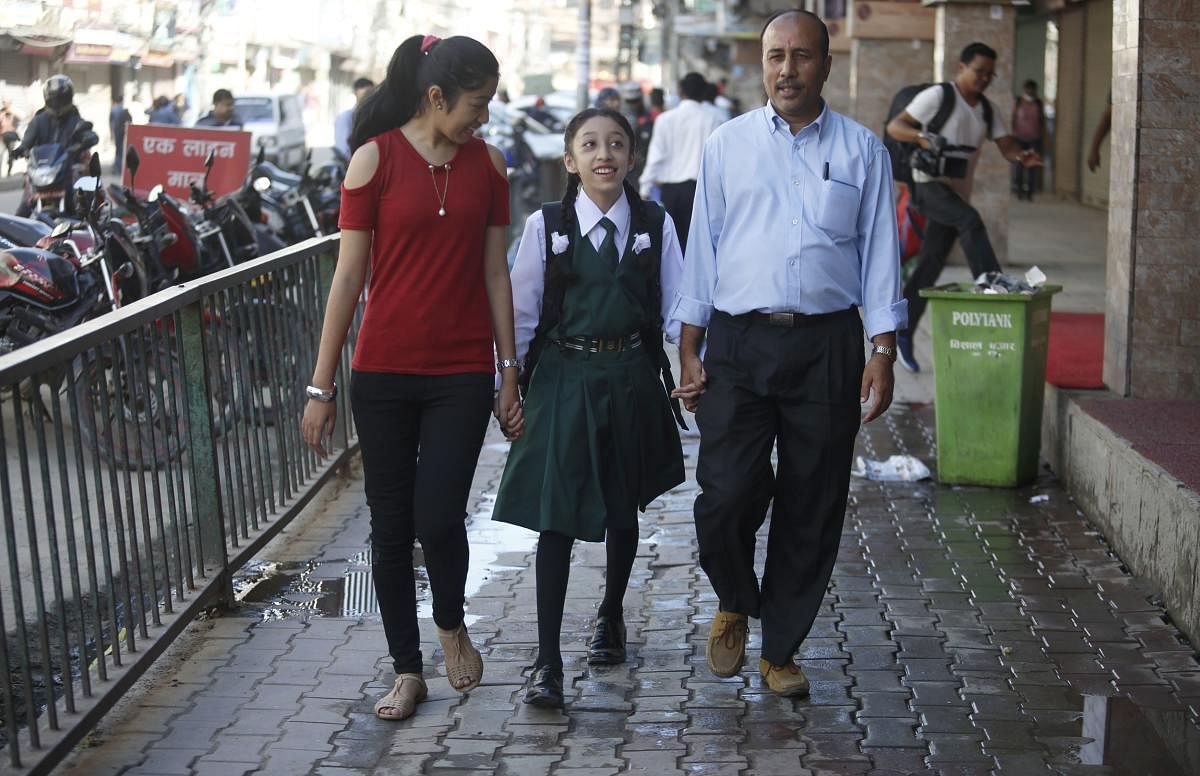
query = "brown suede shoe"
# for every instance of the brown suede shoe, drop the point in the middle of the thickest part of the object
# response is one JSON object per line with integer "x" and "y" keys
{"x": 787, "y": 680}
{"x": 727, "y": 643}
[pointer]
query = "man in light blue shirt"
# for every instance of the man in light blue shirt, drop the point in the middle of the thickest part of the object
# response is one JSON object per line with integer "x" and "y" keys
{"x": 792, "y": 229}
{"x": 343, "y": 124}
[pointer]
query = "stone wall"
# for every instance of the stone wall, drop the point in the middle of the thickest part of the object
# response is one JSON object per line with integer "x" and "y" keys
{"x": 879, "y": 69}
{"x": 1152, "y": 323}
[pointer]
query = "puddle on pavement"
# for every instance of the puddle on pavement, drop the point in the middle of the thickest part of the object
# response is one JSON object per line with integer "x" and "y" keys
{"x": 344, "y": 587}
{"x": 1133, "y": 740}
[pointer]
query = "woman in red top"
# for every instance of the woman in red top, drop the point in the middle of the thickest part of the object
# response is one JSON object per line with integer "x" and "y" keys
{"x": 425, "y": 206}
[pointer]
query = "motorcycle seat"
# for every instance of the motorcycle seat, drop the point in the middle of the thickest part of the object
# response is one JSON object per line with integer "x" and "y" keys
{"x": 22, "y": 231}
{"x": 278, "y": 175}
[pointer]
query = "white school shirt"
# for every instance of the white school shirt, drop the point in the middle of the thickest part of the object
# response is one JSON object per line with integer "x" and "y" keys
{"x": 529, "y": 268}
{"x": 677, "y": 144}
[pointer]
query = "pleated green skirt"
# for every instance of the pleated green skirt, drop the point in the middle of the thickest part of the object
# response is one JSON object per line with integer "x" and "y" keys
{"x": 600, "y": 442}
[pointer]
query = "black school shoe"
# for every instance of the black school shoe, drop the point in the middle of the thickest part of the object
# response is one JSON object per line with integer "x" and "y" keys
{"x": 607, "y": 646}
{"x": 545, "y": 688}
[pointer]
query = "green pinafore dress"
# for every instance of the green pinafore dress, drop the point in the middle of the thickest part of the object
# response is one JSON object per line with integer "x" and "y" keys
{"x": 600, "y": 441}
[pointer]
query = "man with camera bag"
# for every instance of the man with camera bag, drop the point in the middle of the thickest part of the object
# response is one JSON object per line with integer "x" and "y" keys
{"x": 943, "y": 166}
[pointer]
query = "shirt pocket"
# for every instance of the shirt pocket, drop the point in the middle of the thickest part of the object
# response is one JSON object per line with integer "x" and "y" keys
{"x": 837, "y": 212}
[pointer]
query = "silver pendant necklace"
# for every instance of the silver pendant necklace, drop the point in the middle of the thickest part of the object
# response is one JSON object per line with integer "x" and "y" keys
{"x": 441, "y": 193}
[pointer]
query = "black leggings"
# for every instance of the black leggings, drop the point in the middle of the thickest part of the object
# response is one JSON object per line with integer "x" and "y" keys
{"x": 420, "y": 437}
{"x": 553, "y": 570}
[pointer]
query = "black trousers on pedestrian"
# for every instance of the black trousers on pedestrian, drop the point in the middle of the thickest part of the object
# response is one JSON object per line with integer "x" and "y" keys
{"x": 798, "y": 388}
{"x": 949, "y": 216}
{"x": 420, "y": 437}
{"x": 677, "y": 198}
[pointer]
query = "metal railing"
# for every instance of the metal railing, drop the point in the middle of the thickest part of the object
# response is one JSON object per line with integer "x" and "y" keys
{"x": 147, "y": 455}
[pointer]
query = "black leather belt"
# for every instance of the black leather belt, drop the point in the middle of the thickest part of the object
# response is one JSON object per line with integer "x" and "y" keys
{"x": 793, "y": 320}
{"x": 602, "y": 344}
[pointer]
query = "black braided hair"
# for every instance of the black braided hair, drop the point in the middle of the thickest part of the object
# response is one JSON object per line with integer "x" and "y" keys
{"x": 558, "y": 267}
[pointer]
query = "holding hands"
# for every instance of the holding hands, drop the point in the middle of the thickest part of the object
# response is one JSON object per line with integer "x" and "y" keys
{"x": 508, "y": 409}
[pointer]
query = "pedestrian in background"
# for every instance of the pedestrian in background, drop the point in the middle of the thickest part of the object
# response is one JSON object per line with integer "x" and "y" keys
{"x": 1029, "y": 130}
{"x": 658, "y": 100}
{"x": 425, "y": 210}
{"x": 163, "y": 112}
{"x": 9, "y": 119}
{"x": 673, "y": 160}
{"x": 591, "y": 287}
{"x": 343, "y": 125}
{"x": 223, "y": 114}
{"x": 608, "y": 97}
{"x": 118, "y": 120}
{"x": 943, "y": 194}
{"x": 793, "y": 229}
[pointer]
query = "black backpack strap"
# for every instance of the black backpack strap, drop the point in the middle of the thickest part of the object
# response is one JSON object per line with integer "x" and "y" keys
{"x": 944, "y": 109}
{"x": 652, "y": 337}
{"x": 947, "y": 107}
{"x": 551, "y": 223}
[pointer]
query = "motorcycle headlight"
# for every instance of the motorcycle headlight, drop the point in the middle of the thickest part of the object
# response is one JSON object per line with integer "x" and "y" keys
{"x": 9, "y": 270}
{"x": 43, "y": 176}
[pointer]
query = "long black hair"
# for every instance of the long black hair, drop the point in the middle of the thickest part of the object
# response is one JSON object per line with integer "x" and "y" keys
{"x": 458, "y": 64}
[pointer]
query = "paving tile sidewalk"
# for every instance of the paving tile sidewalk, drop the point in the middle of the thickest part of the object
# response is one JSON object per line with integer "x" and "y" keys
{"x": 966, "y": 631}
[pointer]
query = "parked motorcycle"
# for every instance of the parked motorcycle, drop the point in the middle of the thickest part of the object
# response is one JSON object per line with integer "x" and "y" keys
{"x": 224, "y": 229}
{"x": 67, "y": 278}
{"x": 151, "y": 231}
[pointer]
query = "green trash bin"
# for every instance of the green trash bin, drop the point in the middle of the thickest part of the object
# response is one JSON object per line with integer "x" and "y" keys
{"x": 989, "y": 371}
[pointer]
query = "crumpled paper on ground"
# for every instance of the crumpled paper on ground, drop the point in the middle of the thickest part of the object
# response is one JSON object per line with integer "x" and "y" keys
{"x": 999, "y": 283}
{"x": 897, "y": 468}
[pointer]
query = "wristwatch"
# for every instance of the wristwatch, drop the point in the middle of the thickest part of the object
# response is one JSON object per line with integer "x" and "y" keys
{"x": 884, "y": 351}
{"x": 320, "y": 394}
{"x": 505, "y": 363}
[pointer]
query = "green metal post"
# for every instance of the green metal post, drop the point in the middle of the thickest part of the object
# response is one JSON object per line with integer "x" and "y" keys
{"x": 202, "y": 451}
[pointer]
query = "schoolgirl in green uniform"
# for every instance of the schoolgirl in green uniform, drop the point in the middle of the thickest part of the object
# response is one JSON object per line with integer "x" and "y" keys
{"x": 593, "y": 281}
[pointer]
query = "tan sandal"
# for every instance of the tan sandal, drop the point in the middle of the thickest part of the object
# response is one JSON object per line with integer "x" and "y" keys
{"x": 464, "y": 664}
{"x": 402, "y": 701}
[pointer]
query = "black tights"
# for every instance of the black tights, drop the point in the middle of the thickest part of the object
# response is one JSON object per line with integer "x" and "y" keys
{"x": 553, "y": 570}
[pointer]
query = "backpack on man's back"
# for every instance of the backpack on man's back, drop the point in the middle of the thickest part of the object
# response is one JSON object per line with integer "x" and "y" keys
{"x": 901, "y": 153}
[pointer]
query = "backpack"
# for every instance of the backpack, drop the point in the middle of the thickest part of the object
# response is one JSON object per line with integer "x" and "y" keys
{"x": 900, "y": 152}
{"x": 555, "y": 292}
{"x": 910, "y": 226}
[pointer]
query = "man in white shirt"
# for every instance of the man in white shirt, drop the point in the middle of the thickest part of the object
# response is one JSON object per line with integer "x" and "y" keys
{"x": 942, "y": 194}
{"x": 673, "y": 161}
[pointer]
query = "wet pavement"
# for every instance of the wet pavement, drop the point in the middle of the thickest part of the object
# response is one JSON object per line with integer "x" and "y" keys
{"x": 966, "y": 631}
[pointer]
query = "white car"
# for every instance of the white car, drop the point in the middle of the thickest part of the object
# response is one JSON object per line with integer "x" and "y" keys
{"x": 275, "y": 123}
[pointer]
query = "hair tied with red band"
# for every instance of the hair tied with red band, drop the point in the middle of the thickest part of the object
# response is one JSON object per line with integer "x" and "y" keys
{"x": 428, "y": 43}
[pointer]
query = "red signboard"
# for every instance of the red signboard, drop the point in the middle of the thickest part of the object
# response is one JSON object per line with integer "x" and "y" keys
{"x": 174, "y": 157}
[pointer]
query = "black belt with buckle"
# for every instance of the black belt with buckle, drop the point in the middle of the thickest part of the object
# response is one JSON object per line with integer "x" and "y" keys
{"x": 602, "y": 344}
{"x": 794, "y": 320}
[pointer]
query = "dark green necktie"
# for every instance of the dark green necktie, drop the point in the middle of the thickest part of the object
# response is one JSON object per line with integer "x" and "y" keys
{"x": 610, "y": 240}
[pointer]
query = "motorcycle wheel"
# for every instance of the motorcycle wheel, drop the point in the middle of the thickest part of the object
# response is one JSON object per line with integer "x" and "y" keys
{"x": 266, "y": 361}
{"x": 145, "y": 425}
{"x": 131, "y": 423}
{"x": 237, "y": 228}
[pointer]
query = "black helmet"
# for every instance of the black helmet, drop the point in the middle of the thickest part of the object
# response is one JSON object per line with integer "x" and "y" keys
{"x": 59, "y": 94}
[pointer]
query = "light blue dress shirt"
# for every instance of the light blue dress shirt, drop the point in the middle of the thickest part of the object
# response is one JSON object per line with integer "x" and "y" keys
{"x": 784, "y": 223}
{"x": 343, "y": 125}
